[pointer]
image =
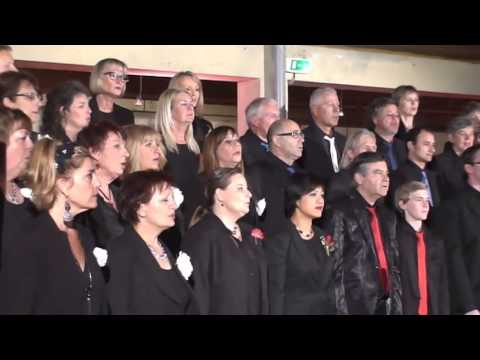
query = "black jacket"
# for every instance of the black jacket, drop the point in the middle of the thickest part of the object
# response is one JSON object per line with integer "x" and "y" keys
{"x": 350, "y": 223}
{"x": 229, "y": 278}
{"x": 120, "y": 115}
{"x": 201, "y": 128}
{"x": 316, "y": 155}
{"x": 139, "y": 286}
{"x": 301, "y": 281}
{"x": 437, "y": 283}
{"x": 44, "y": 278}
{"x": 253, "y": 148}
{"x": 399, "y": 149}
{"x": 451, "y": 174}
{"x": 459, "y": 222}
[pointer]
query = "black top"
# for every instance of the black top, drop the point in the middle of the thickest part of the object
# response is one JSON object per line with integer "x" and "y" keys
{"x": 399, "y": 150}
{"x": 437, "y": 285}
{"x": 45, "y": 278}
{"x": 201, "y": 128}
{"x": 340, "y": 186}
{"x": 119, "y": 115}
{"x": 138, "y": 285}
{"x": 254, "y": 149}
{"x": 316, "y": 157}
{"x": 229, "y": 278}
{"x": 302, "y": 276}
{"x": 183, "y": 167}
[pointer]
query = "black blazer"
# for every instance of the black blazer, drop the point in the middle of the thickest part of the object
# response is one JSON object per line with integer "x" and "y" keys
{"x": 139, "y": 286}
{"x": 201, "y": 128}
{"x": 253, "y": 148}
{"x": 120, "y": 115}
{"x": 399, "y": 149}
{"x": 301, "y": 282}
{"x": 224, "y": 282}
{"x": 316, "y": 158}
{"x": 451, "y": 174}
{"x": 459, "y": 222}
{"x": 340, "y": 186}
{"x": 44, "y": 278}
{"x": 350, "y": 224}
{"x": 437, "y": 283}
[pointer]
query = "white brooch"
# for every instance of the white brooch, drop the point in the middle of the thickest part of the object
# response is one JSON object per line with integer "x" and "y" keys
{"x": 260, "y": 206}
{"x": 26, "y": 192}
{"x": 101, "y": 255}
{"x": 184, "y": 265}
{"x": 177, "y": 196}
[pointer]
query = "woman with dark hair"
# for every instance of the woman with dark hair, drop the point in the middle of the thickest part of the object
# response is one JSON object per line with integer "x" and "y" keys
{"x": 230, "y": 271}
{"x": 303, "y": 267}
{"x": 67, "y": 112}
{"x": 144, "y": 278}
{"x": 106, "y": 143}
{"x": 20, "y": 90}
{"x": 191, "y": 83}
{"x": 54, "y": 270}
{"x": 108, "y": 82}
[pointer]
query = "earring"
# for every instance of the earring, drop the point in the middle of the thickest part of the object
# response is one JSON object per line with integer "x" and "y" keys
{"x": 67, "y": 215}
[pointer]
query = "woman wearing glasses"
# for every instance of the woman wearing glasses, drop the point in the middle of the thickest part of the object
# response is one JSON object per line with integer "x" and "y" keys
{"x": 189, "y": 82}
{"x": 173, "y": 119}
{"x": 20, "y": 90}
{"x": 67, "y": 112}
{"x": 108, "y": 81}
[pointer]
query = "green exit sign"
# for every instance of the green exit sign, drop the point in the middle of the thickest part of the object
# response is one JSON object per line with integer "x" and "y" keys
{"x": 298, "y": 65}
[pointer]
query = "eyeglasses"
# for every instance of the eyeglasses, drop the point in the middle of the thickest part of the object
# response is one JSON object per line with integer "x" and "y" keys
{"x": 32, "y": 96}
{"x": 295, "y": 134}
{"x": 117, "y": 76}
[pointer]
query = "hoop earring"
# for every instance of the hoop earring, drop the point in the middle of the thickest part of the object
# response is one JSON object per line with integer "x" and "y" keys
{"x": 67, "y": 215}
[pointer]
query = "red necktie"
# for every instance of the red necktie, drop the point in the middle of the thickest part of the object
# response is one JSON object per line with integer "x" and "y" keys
{"x": 422, "y": 275}
{"x": 377, "y": 237}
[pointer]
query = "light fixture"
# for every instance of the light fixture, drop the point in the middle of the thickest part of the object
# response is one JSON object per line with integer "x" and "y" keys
{"x": 139, "y": 101}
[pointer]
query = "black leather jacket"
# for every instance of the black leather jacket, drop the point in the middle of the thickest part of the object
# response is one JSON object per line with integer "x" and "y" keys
{"x": 350, "y": 223}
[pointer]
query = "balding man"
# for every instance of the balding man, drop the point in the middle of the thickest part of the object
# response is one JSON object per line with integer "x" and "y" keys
{"x": 6, "y": 59}
{"x": 261, "y": 113}
{"x": 323, "y": 145}
{"x": 268, "y": 178}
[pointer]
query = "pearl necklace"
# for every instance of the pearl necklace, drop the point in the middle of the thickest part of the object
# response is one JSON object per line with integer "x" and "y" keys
{"x": 159, "y": 256}
{"x": 303, "y": 235}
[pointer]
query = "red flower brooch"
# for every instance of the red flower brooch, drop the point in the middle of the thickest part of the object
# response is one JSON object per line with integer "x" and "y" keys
{"x": 257, "y": 234}
{"x": 328, "y": 243}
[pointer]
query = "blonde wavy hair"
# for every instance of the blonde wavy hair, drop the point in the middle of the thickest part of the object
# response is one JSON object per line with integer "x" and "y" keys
{"x": 163, "y": 122}
{"x": 136, "y": 136}
{"x": 175, "y": 84}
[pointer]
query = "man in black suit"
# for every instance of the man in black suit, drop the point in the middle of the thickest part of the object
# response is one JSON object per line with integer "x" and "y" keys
{"x": 323, "y": 145}
{"x": 460, "y": 224}
{"x": 261, "y": 113}
{"x": 421, "y": 147}
{"x": 449, "y": 164}
{"x": 365, "y": 234}
{"x": 384, "y": 115}
{"x": 269, "y": 178}
{"x": 423, "y": 267}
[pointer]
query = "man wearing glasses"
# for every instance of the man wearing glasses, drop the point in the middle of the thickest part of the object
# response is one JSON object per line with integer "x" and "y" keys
{"x": 459, "y": 222}
{"x": 6, "y": 59}
{"x": 269, "y": 178}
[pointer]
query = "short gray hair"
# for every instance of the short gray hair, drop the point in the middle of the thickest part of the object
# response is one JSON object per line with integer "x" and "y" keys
{"x": 318, "y": 93}
{"x": 254, "y": 107}
{"x": 459, "y": 123}
{"x": 276, "y": 128}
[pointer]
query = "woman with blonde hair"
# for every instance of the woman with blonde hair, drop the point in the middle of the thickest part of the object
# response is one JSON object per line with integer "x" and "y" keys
{"x": 190, "y": 82}
{"x": 145, "y": 148}
{"x": 108, "y": 82}
{"x": 54, "y": 270}
{"x": 173, "y": 119}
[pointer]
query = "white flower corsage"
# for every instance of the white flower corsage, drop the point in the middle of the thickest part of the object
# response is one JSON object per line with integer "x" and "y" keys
{"x": 26, "y": 192}
{"x": 184, "y": 265}
{"x": 260, "y": 206}
{"x": 101, "y": 255}
{"x": 177, "y": 196}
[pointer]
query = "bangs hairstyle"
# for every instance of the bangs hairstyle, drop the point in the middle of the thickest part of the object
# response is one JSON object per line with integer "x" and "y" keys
{"x": 209, "y": 160}
{"x": 93, "y": 137}
{"x": 404, "y": 191}
{"x": 96, "y": 80}
{"x": 175, "y": 84}
{"x": 42, "y": 172}
{"x": 138, "y": 188}
{"x": 353, "y": 142}
{"x": 11, "y": 81}
{"x": 219, "y": 179}
{"x": 163, "y": 122}
{"x": 401, "y": 91}
{"x": 136, "y": 136}
{"x": 300, "y": 185}
{"x": 11, "y": 121}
